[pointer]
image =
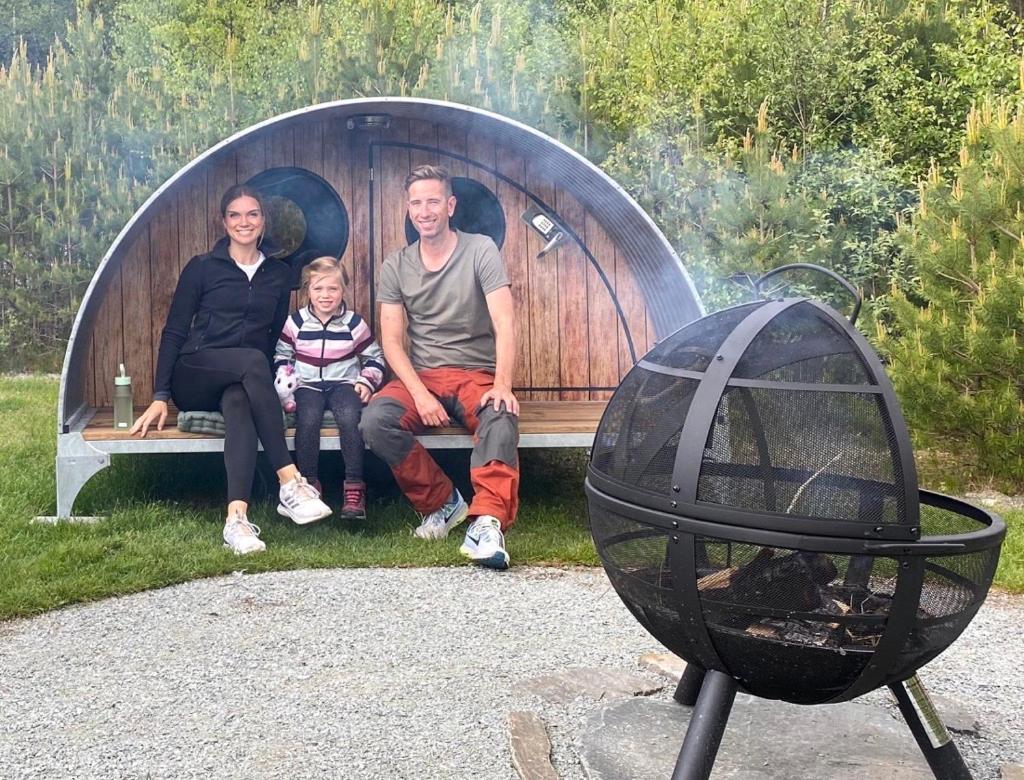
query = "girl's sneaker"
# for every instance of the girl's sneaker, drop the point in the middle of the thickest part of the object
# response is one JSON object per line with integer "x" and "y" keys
{"x": 301, "y": 502}
{"x": 241, "y": 536}
{"x": 354, "y": 506}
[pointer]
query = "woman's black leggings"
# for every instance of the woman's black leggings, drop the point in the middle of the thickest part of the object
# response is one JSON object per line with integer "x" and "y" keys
{"x": 347, "y": 407}
{"x": 236, "y": 382}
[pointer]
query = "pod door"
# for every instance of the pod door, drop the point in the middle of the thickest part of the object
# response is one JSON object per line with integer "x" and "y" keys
{"x": 574, "y": 336}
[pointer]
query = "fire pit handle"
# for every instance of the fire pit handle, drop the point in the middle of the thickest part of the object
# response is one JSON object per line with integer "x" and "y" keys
{"x": 858, "y": 300}
{"x": 917, "y": 548}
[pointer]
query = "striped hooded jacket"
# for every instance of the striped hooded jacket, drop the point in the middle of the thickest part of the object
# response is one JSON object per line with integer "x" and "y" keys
{"x": 341, "y": 350}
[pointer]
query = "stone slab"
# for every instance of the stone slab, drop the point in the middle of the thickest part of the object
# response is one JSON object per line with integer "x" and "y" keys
{"x": 666, "y": 664}
{"x": 764, "y": 740}
{"x": 601, "y": 684}
{"x": 956, "y": 717}
{"x": 531, "y": 748}
{"x": 993, "y": 498}
{"x": 1011, "y": 772}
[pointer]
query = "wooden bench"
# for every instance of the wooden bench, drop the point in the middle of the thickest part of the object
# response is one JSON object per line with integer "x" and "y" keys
{"x": 85, "y": 451}
{"x": 541, "y": 424}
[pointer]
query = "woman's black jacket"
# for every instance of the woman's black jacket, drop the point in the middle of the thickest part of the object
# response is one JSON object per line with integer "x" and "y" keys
{"x": 215, "y": 305}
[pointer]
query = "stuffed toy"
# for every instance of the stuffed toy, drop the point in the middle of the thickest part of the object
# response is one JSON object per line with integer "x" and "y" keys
{"x": 285, "y": 383}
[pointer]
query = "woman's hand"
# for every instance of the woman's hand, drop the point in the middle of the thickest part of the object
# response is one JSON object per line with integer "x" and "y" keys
{"x": 363, "y": 392}
{"x": 157, "y": 411}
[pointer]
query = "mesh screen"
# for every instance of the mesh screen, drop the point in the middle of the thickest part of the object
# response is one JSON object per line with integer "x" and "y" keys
{"x": 953, "y": 583}
{"x": 759, "y": 589}
{"x": 826, "y": 455}
{"x": 936, "y": 521}
{"x": 954, "y": 588}
{"x": 637, "y": 439}
{"x": 635, "y": 556}
{"x": 803, "y": 345}
{"x": 694, "y": 346}
{"x": 793, "y": 625}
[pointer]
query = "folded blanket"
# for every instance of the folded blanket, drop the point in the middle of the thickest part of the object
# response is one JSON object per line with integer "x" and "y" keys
{"x": 212, "y": 423}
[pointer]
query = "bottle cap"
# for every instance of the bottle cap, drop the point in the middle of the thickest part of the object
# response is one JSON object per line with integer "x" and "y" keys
{"x": 122, "y": 379}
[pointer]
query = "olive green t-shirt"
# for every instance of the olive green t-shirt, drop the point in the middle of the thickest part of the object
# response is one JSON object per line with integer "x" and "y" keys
{"x": 449, "y": 324}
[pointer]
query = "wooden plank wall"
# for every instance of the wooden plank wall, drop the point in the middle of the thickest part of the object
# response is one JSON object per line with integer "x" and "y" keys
{"x": 570, "y": 335}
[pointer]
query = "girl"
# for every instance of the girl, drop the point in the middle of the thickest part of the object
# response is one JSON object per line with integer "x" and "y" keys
{"x": 215, "y": 356}
{"x": 339, "y": 366}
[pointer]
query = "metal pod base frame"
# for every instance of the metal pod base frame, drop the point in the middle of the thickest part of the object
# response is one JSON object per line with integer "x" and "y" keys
{"x": 711, "y": 694}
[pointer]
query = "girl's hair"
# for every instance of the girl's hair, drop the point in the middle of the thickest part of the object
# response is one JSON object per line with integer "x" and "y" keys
{"x": 241, "y": 191}
{"x": 322, "y": 265}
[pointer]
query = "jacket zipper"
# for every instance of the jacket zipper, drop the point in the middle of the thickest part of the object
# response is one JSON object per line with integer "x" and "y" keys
{"x": 248, "y": 304}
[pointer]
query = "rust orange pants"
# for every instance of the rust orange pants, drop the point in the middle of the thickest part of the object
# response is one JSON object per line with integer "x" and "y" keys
{"x": 390, "y": 423}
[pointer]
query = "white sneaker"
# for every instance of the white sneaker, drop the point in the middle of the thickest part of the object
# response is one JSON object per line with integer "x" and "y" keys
{"x": 301, "y": 502}
{"x": 438, "y": 523}
{"x": 485, "y": 544}
{"x": 241, "y": 536}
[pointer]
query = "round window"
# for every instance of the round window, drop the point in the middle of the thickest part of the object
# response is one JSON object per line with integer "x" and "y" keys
{"x": 305, "y": 216}
{"x": 477, "y": 210}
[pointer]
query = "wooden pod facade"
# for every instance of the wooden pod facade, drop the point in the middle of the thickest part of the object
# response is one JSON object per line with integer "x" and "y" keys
{"x": 587, "y": 310}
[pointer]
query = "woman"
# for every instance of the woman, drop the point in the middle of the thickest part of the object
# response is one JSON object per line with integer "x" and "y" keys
{"x": 214, "y": 355}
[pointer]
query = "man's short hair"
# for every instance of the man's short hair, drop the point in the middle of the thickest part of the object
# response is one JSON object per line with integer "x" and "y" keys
{"x": 425, "y": 172}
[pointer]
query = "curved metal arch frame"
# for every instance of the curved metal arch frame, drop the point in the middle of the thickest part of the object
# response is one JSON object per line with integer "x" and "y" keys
{"x": 581, "y": 175}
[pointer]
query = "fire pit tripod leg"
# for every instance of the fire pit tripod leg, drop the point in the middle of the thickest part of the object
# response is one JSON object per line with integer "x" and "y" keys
{"x": 932, "y": 737}
{"x": 707, "y": 725}
{"x": 689, "y": 685}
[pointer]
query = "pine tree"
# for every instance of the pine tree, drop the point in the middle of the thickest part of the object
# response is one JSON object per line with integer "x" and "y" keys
{"x": 955, "y": 339}
{"x": 81, "y": 145}
{"x": 743, "y": 213}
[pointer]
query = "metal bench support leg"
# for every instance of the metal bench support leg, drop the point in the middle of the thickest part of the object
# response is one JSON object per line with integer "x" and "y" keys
{"x": 77, "y": 462}
{"x": 928, "y": 729}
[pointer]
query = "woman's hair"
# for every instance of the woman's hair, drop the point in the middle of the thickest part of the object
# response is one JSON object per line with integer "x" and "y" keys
{"x": 241, "y": 191}
{"x": 322, "y": 265}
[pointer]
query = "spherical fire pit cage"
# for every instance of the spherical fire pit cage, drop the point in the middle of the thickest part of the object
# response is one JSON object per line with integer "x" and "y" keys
{"x": 753, "y": 497}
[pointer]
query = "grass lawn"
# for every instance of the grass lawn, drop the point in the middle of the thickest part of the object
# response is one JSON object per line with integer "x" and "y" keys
{"x": 164, "y": 515}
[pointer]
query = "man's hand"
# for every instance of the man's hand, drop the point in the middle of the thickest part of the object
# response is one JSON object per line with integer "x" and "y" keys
{"x": 498, "y": 396}
{"x": 430, "y": 410}
{"x": 363, "y": 392}
{"x": 157, "y": 411}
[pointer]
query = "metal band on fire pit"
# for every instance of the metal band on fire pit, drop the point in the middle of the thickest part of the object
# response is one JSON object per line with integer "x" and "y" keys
{"x": 697, "y": 426}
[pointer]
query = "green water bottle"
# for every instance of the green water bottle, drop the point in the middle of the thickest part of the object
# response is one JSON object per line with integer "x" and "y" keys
{"x": 123, "y": 407}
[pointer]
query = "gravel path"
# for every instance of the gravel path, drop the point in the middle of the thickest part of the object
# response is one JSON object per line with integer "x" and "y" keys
{"x": 407, "y": 673}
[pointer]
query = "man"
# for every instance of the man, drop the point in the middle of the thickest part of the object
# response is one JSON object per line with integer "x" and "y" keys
{"x": 450, "y": 292}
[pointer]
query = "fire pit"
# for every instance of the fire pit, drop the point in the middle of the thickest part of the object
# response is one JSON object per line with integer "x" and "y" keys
{"x": 754, "y": 500}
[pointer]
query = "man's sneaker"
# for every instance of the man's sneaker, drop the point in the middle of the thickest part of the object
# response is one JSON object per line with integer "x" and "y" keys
{"x": 485, "y": 544}
{"x": 438, "y": 523}
{"x": 354, "y": 506}
{"x": 242, "y": 536}
{"x": 301, "y": 502}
